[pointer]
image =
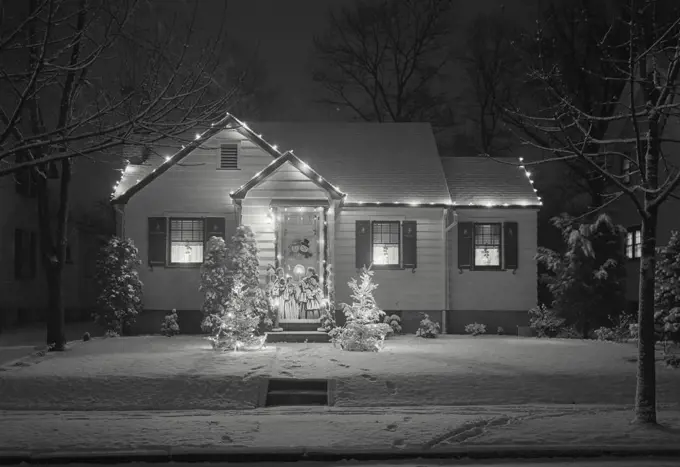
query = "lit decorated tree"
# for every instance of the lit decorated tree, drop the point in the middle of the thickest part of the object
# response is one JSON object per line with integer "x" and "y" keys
{"x": 215, "y": 281}
{"x": 120, "y": 289}
{"x": 241, "y": 320}
{"x": 667, "y": 293}
{"x": 362, "y": 331}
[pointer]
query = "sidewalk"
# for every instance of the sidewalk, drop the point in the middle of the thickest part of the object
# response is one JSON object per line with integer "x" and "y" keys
{"x": 325, "y": 433}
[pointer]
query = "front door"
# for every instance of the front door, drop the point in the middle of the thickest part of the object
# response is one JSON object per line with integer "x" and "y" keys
{"x": 301, "y": 259}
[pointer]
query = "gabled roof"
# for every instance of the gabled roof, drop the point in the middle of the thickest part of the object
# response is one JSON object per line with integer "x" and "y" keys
{"x": 485, "y": 181}
{"x": 389, "y": 163}
{"x": 297, "y": 163}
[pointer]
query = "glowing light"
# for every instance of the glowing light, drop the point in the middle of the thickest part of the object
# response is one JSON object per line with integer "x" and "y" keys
{"x": 320, "y": 180}
{"x": 231, "y": 192}
{"x": 521, "y": 159}
{"x": 139, "y": 180}
{"x": 535, "y": 190}
{"x": 506, "y": 204}
{"x": 304, "y": 166}
{"x": 127, "y": 169}
{"x": 198, "y": 135}
{"x": 489, "y": 204}
{"x": 167, "y": 158}
{"x": 521, "y": 166}
{"x": 414, "y": 204}
{"x": 528, "y": 174}
{"x": 275, "y": 147}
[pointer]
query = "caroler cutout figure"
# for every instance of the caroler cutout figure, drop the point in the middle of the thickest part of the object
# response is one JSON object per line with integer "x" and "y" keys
{"x": 313, "y": 294}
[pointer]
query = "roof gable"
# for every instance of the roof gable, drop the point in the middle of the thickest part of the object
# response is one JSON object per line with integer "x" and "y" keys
{"x": 312, "y": 174}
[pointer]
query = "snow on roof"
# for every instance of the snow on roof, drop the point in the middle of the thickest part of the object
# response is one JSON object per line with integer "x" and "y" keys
{"x": 371, "y": 162}
{"x": 485, "y": 181}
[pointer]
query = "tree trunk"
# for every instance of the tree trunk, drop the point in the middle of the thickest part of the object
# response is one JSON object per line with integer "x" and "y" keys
{"x": 56, "y": 337}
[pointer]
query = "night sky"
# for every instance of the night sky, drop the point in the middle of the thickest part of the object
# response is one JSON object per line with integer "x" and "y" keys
{"x": 282, "y": 34}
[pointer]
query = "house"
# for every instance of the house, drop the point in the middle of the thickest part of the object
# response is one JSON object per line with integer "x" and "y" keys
{"x": 23, "y": 288}
{"x": 336, "y": 197}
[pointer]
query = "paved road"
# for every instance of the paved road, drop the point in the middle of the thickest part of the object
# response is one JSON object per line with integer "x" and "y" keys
{"x": 500, "y": 463}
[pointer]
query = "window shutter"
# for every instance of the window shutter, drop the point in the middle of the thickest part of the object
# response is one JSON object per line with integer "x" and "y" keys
{"x": 18, "y": 252}
{"x": 231, "y": 226}
{"x": 409, "y": 242}
{"x": 215, "y": 227}
{"x": 363, "y": 243}
{"x": 33, "y": 254}
{"x": 510, "y": 232}
{"x": 465, "y": 233}
{"x": 229, "y": 156}
{"x": 158, "y": 240}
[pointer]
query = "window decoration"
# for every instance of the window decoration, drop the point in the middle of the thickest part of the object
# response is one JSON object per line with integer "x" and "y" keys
{"x": 634, "y": 243}
{"x": 625, "y": 170}
{"x": 186, "y": 241}
{"x": 300, "y": 249}
{"x": 487, "y": 245}
{"x": 386, "y": 243}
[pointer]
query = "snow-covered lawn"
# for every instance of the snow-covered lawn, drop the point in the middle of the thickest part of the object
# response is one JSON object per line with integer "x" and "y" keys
{"x": 183, "y": 372}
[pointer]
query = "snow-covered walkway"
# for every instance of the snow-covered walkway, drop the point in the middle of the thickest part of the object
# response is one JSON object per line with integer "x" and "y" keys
{"x": 348, "y": 430}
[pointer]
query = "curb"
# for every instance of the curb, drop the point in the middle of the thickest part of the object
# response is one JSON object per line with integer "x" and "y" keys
{"x": 286, "y": 454}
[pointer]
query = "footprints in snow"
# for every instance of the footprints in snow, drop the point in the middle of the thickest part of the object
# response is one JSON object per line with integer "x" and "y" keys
{"x": 389, "y": 385}
{"x": 252, "y": 371}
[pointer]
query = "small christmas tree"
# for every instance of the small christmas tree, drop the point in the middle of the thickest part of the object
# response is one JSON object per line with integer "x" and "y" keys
{"x": 120, "y": 289}
{"x": 364, "y": 309}
{"x": 667, "y": 293}
{"x": 215, "y": 281}
{"x": 170, "y": 325}
{"x": 245, "y": 313}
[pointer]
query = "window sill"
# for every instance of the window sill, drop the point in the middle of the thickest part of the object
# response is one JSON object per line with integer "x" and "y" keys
{"x": 387, "y": 267}
{"x": 183, "y": 265}
{"x": 225, "y": 168}
{"x": 488, "y": 268}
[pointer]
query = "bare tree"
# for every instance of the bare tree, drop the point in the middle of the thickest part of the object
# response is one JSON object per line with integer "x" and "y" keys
{"x": 637, "y": 124}
{"x": 83, "y": 77}
{"x": 491, "y": 66}
{"x": 384, "y": 60}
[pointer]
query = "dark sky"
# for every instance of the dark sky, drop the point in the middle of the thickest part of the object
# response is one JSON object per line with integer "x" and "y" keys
{"x": 282, "y": 32}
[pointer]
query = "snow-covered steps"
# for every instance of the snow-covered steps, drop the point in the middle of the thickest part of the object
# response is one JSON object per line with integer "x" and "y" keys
{"x": 298, "y": 336}
{"x": 297, "y": 392}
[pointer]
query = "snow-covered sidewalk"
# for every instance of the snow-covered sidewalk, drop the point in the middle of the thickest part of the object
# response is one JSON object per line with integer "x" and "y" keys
{"x": 340, "y": 430}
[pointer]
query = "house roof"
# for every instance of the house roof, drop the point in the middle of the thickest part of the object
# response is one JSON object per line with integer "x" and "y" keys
{"x": 485, "y": 181}
{"x": 278, "y": 162}
{"x": 370, "y": 162}
{"x": 395, "y": 163}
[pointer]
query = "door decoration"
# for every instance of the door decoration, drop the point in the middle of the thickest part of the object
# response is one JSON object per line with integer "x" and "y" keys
{"x": 300, "y": 249}
{"x": 295, "y": 298}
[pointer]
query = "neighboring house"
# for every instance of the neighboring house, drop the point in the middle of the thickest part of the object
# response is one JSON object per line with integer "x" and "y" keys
{"x": 341, "y": 196}
{"x": 23, "y": 290}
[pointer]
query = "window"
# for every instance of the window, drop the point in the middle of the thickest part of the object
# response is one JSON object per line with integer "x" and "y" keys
{"x": 229, "y": 156}
{"x": 634, "y": 243}
{"x": 186, "y": 241}
{"x": 386, "y": 243}
{"x": 24, "y": 181}
{"x": 487, "y": 246}
{"x": 625, "y": 170}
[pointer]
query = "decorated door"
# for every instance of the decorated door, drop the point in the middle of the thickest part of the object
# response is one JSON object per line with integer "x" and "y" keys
{"x": 300, "y": 261}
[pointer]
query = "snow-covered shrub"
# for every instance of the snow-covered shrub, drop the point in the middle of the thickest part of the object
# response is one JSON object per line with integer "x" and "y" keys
{"x": 500, "y": 331}
{"x": 362, "y": 332}
{"x": 394, "y": 321}
{"x": 633, "y": 330}
{"x": 427, "y": 328}
{"x": 668, "y": 326}
{"x": 545, "y": 321}
{"x": 569, "y": 332}
{"x": 475, "y": 329}
{"x": 170, "y": 325}
{"x": 327, "y": 319}
{"x": 672, "y": 360}
{"x": 620, "y": 331}
{"x": 240, "y": 322}
{"x": 120, "y": 289}
{"x": 86, "y": 337}
{"x": 111, "y": 333}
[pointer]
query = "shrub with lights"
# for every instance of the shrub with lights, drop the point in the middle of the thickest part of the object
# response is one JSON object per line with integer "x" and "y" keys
{"x": 362, "y": 331}
{"x": 667, "y": 293}
{"x": 239, "y": 322}
{"x": 215, "y": 282}
{"x": 120, "y": 289}
{"x": 427, "y": 328}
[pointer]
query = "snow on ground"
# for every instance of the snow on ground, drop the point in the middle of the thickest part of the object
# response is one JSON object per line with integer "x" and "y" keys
{"x": 183, "y": 372}
{"x": 329, "y": 429}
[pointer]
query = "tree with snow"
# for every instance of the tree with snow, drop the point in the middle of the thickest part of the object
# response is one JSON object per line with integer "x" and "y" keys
{"x": 215, "y": 281}
{"x": 120, "y": 289}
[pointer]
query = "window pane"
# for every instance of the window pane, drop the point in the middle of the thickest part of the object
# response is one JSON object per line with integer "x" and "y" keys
{"x": 386, "y": 232}
{"x": 638, "y": 237}
{"x": 629, "y": 239}
{"x": 487, "y": 256}
{"x": 186, "y": 252}
{"x": 385, "y": 253}
{"x": 638, "y": 250}
{"x": 188, "y": 230}
{"x": 629, "y": 251}
{"x": 487, "y": 234}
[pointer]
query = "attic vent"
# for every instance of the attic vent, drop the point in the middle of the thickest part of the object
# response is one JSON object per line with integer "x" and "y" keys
{"x": 229, "y": 156}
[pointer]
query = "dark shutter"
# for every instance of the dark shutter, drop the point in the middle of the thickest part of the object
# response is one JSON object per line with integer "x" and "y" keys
{"x": 33, "y": 255}
{"x": 158, "y": 240}
{"x": 409, "y": 238}
{"x": 18, "y": 253}
{"x": 465, "y": 238}
{"x": 511, "y": 245}
{"x": 231, "y": 225}
{"x": 363, "y": 244}
{"x": 214, "y": 227}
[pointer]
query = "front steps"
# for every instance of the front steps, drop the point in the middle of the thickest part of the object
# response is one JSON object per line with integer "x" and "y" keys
{"x": 298, "y": 330}
{"x": 282, "y": 392}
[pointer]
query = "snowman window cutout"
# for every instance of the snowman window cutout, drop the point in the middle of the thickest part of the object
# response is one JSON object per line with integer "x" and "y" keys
{"x": 300, "y": 249}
